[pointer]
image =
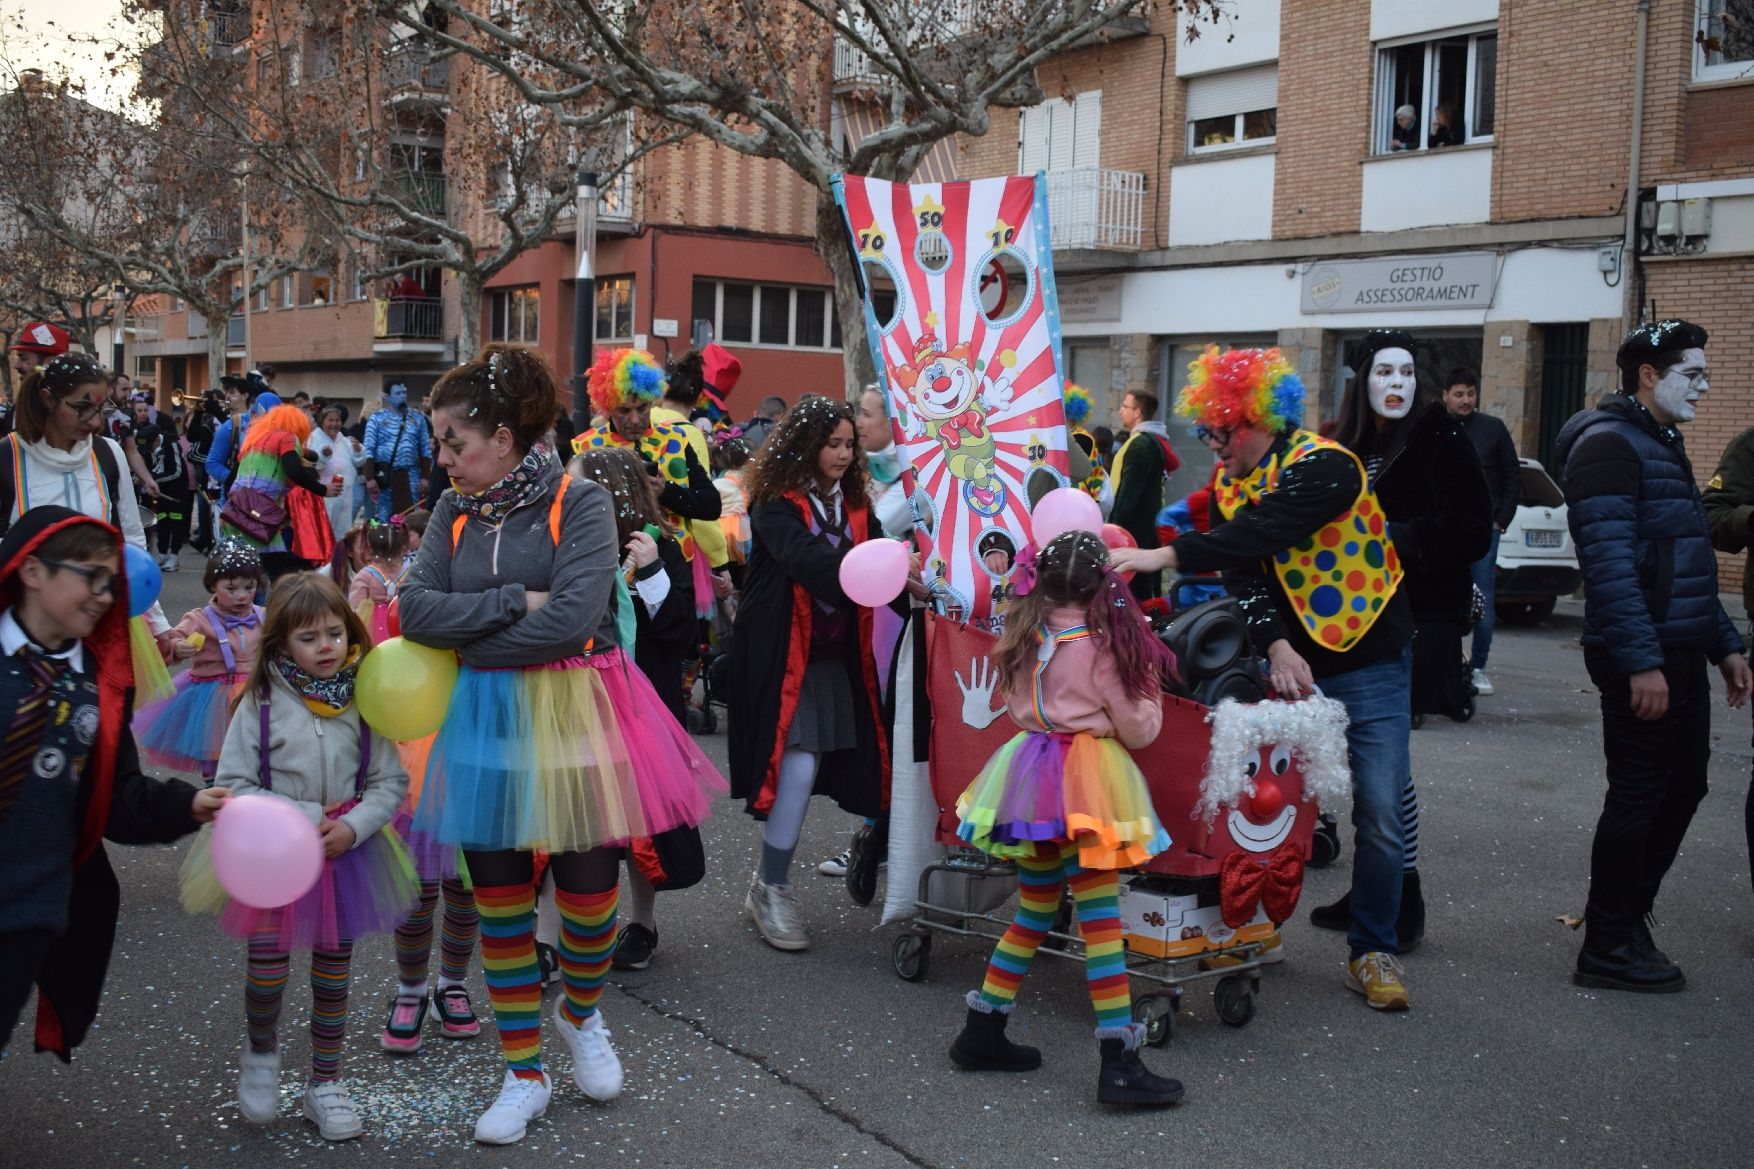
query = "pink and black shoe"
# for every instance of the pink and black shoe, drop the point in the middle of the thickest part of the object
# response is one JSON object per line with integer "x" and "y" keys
{"x": 402, "y": 1032}
{"x": 456, "y": 1016}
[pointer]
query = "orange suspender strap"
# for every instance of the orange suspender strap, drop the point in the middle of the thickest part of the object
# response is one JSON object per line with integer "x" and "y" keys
{"x": 457, "y": 531}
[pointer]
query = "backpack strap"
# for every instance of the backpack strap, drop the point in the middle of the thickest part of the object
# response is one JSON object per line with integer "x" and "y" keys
{"x": 267, "y": 779}
{"x": 103, "y": 461}
{"x": 554, "y": 509}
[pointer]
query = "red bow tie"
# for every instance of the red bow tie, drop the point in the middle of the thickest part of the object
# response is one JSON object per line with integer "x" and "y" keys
{"x": 970, "y": 421}
{"x": 1244, "y": 882}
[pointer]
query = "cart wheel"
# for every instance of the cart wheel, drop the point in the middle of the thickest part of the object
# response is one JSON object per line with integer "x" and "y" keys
{"x": 1324, "y": 843}
{"x": 1157, "y": 1014}
{"x": 912, "y": 955}
{"x": 1467, "y": 710}
{"x": 1418, "y": 721}
{"x": 1235, "y": 999}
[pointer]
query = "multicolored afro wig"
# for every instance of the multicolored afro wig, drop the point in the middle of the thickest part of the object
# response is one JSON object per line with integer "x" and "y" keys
{"x": 1256, "y": 388}
{"x": 621, "y": 375}
{"x": 1077, "y": 402}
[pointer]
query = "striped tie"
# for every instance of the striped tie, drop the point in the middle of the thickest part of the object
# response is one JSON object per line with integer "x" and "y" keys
{"x": 30, "y": 721}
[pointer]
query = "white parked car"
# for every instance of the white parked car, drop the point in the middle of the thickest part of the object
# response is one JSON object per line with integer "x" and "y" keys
{"x": 1537, "y": 563}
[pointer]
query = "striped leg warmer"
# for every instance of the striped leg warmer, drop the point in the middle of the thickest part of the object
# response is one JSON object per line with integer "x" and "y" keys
{"x": 587, "y": 943}
{"x": 328, "y": 1011}
{"x": 1096, "y": 893}
{"x": 1038, "y": 900}
{"x": 264, "y": 985}
{"x": 514, "y": 980}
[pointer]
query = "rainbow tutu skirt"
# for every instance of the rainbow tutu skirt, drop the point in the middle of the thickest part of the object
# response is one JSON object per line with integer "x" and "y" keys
{"x": 369, "y": 889}
{"x": 187, "y": 729}
{"x": 1042, "y": 786}
{"x": 562, "y": 757}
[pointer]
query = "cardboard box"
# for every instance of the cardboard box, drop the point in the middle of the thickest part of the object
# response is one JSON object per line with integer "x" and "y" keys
{"x": 1167, "y": 924}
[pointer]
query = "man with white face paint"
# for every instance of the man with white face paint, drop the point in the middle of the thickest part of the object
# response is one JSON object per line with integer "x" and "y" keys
{"x": 1651, "y": 622}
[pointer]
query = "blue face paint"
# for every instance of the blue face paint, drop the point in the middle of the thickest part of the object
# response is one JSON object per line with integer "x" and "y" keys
{"x": 397, "y": 395}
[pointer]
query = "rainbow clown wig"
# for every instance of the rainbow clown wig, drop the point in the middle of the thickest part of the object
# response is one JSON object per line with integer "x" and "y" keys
{"x": 1256, "y": 388}
{"x": 622, "y": 375}
{"x": 1077, "y": 404}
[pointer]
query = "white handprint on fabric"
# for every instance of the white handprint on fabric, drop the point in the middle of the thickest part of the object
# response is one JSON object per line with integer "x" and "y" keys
{"x": 977, "y": 694}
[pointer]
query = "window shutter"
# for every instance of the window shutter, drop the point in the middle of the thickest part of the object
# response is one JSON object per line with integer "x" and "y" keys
{"x": 1087, "y": 130}
{"x": 1240, "y": 91}
{"x": 1059, "y": 134}
{"x": 1032, "y": 139}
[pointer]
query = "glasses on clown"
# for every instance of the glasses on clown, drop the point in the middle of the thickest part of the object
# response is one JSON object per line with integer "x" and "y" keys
{"x": 1218, "y": 436}
{"x": 83, "y": 410}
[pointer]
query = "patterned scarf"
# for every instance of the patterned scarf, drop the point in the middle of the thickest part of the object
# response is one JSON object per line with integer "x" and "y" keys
{"x": 525, "y": 479}
{"x": 325, "y": 696}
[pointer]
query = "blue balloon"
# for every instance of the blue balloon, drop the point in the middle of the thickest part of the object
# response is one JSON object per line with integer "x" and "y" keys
{"x": 144, "y": 579}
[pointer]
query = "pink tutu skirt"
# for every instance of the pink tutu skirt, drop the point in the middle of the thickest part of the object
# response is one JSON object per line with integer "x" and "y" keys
{"x": 369, "y": 889}
{"x": 186, "y": 730}
{"x": 564, "y": 758}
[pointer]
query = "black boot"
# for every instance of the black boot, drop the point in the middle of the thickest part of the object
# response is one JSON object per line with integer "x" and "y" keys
{"x": 870, "y": 844}
{"x": 1410, "y": 925}
{"x": 1337, "y": 916}
{"x": 982, "y": 1046}
{"x": 1621, "y": 963}
{"x": 1126, "y": 1081}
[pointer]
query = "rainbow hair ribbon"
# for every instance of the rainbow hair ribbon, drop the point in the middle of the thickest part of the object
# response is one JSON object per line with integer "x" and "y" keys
{"x": 1242, "y": 387}
{"x": 618, "y": 375}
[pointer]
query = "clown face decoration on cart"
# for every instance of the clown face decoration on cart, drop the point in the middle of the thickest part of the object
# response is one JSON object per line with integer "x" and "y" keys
{"x": 969, "y": 364}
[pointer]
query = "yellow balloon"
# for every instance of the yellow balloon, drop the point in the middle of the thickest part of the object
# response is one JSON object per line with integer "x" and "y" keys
{"x": 404, "y": 689}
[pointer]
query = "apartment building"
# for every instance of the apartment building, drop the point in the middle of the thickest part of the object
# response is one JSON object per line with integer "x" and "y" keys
{"x": 1254, "y": 186}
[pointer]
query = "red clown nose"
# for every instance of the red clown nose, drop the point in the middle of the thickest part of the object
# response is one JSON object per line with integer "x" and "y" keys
{"x": 1267, "y": 802}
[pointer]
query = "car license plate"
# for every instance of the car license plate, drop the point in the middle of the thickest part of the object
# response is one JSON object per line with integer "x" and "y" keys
{"x": 1544, "y": 537}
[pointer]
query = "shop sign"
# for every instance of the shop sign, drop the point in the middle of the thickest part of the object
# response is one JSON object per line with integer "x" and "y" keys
{"x": 1083, "y": 301}
{"x": 1408, "y": 283}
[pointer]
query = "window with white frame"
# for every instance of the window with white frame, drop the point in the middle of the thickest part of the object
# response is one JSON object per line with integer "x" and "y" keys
{"x": 288, "y": 290}
{"x": 1060, "y": 134}
{"x": 1436, "y": 92}
{"x": 615, "y": 309}
{"x": 779, "y": 315}
{"x": 358, "y": 290}
{"x": 1235, "y": 108}
{"x": 514, "y": 315}
{"x": 1723, "y": 40}
{"x": 262, "y": 299}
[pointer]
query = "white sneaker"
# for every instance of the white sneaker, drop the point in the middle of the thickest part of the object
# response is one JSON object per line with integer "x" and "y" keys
{"x": 774, "y": 910}
{"x": 1482, "y": 684}
{"x": 259, "y": 1085}
{"x": 595, "y": 1067}
{"x": 836, "y": 866}
{"x": 330, "y": 1108}
{"x": 519, "y": 1102}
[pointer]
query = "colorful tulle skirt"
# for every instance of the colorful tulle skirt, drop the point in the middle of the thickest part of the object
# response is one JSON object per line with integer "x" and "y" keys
{"x": 369, "y": 889}
{"x": 152, "y": 681}
{"x": 186, "y": 730}
{"x": 563, "y": 758}
{"x": 377, "y": 620}
{"x": 1079, "y": 788}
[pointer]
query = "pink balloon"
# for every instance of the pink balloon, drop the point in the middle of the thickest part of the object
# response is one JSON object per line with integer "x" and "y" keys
{"x": 1064, "y": 509}
{"x": 265, "y": 853}
{"x": 874, "y": 573}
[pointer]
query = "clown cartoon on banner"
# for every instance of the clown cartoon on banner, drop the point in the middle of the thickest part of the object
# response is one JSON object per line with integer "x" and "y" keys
{"x": 970, "y": 369}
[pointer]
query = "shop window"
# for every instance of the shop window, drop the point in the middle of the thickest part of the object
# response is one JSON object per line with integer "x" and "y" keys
{"x": 1238, "y": 108}
{"x": 514, "y": 315}
{"x": 777, "y": 315}
{"x": 1723, "y": 40}
{"x": 615, "y": 309}
{"x": 1436, "y": 93}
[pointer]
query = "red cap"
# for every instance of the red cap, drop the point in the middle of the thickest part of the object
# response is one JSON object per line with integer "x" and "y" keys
{"x": 42, "y": 337}
{"x": 719, "y": 369}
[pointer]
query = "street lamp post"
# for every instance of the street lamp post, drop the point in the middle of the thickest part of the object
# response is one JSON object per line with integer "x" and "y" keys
{"x": 584, "y": 293}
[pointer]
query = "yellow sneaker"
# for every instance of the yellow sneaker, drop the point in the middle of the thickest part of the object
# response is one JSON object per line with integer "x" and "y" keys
{"x": 1377, "y": 976}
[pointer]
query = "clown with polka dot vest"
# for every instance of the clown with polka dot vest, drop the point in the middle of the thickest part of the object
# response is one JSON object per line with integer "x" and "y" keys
{"x": 1305, "y": 546}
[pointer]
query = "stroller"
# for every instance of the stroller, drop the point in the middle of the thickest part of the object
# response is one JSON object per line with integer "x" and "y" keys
{"x": 1175, "y": 929}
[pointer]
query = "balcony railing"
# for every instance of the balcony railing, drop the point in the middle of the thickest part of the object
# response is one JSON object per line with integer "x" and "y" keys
{"x": 228, "y": 25}
{"x": 411, "y": 320}
{"x": 415, "y": 69}
{"x": 615, "y": 198}
{"x": 1095, "y": 207}
{"x": 424, "y": 191}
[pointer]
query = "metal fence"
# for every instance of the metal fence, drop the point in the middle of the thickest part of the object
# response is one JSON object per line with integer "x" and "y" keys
{"x": 416, "y": 319}
{"x": 416, "y": 68}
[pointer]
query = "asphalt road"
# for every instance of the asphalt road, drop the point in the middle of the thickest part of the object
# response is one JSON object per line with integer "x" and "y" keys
{"x": 738, "y": 1055}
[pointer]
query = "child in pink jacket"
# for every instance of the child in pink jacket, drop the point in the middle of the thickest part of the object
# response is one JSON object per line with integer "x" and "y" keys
{"x": 1083, "y": 676}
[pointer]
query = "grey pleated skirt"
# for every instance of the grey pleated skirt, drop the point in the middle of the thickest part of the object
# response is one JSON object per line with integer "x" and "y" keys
{"x": 824, "y": 718}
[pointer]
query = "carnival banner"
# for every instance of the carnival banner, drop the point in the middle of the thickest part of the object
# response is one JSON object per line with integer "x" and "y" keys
{"x": 969, "y": 361}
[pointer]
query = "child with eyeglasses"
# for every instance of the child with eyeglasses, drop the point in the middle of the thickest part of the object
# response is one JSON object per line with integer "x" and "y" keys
{"x": 69, "y": 772}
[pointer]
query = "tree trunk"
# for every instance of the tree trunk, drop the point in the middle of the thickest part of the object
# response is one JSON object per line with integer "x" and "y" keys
{"x": 836, "y": 251}
{"x": 216, "y": 333}
{"x": 468, "y": 315}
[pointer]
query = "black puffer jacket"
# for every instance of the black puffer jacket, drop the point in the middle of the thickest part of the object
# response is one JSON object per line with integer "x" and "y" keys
{"x": 1440, "y": 512}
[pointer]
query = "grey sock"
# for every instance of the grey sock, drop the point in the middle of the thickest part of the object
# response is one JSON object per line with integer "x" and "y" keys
{"x": 776, "y": 864}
